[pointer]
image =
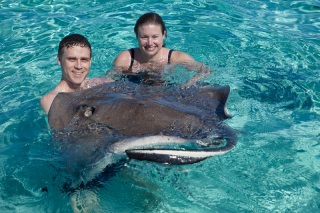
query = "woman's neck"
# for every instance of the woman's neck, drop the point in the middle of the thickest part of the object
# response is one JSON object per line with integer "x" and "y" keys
{"x": 144, "y": 58}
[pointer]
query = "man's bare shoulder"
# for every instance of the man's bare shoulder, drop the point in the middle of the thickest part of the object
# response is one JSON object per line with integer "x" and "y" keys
{"x": 47, "y": 100}
{"x": 49, "y": 96}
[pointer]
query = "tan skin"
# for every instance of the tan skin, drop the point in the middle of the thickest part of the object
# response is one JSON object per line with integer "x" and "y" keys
{"x": 151, "y": 56}
{"x": 75, "y": 64}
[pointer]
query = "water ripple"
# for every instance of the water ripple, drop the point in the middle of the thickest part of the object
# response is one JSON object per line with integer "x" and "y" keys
{"x": 268, "y": 52}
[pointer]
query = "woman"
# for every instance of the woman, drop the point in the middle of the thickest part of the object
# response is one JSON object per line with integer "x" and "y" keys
{"x": 147, "y": 62}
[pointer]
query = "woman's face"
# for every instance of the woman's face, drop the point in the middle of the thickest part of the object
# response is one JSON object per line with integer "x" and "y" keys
{"x": 150, "y": 39}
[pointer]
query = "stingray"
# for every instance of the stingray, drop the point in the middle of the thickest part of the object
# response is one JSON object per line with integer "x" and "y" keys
{"x": 96, "y": 127}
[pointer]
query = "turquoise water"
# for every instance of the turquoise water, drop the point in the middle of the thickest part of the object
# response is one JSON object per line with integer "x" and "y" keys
{"x": 267, "y": 51}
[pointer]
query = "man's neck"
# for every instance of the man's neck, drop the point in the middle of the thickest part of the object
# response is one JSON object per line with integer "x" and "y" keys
{"x": 69, "y": 87}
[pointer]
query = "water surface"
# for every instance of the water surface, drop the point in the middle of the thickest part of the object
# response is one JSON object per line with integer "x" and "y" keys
{"x": 268, "y": 51}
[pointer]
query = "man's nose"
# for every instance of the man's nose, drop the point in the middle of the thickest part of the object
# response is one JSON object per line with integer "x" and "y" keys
{"x": 78, "y": 64}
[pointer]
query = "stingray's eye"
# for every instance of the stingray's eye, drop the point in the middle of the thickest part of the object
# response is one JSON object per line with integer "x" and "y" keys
{"x": 89, "y": 111}
{"x": 85, "y": 109}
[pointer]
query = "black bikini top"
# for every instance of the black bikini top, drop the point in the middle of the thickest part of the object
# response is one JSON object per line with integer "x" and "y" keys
{"x": 132, "y": 57}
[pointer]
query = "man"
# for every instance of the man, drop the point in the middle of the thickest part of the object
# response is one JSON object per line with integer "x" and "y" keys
{"x": 74, "y": 57}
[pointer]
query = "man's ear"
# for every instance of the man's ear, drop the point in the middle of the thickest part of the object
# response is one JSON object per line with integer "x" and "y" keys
{"x": 58, "y": 60}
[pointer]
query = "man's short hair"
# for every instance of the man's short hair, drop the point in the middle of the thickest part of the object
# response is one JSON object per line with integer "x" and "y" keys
{"x": 73, "y": 40}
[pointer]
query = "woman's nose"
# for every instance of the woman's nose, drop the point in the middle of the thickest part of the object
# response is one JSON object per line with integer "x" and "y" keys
{"x": 150, "y": 41}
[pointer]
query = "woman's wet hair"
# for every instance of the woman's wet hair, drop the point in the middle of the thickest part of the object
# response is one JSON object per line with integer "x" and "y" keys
{"x": 73, "y": 40}
{"x": 150, "y": 18}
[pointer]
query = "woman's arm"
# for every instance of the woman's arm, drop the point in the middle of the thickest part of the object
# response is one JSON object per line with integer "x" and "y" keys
{"x": 189, "y": 63}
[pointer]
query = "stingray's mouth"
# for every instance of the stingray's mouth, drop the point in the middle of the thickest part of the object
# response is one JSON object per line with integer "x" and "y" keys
{"x": 183, "y": 156}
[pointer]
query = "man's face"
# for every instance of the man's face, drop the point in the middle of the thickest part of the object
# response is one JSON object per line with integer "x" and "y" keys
{"x": 75, "y": 63}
